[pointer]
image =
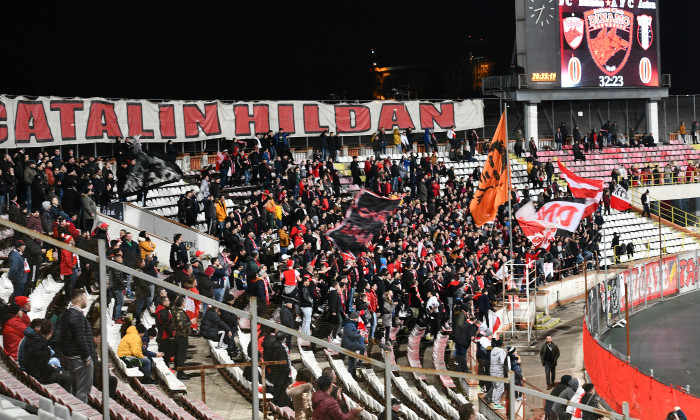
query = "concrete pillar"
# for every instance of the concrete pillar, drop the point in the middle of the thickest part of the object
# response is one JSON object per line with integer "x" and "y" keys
{"x": 530, "y": 121}
{"x": 653, "y": 122}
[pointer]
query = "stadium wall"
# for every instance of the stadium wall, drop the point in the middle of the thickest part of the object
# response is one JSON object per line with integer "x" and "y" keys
{"x": 607, "y": 303}
{"x": 648, "y": 398}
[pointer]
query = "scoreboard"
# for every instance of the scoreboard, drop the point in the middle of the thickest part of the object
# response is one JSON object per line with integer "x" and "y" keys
{"x": 569, "y": 44}
{"x": 611, "y": 43}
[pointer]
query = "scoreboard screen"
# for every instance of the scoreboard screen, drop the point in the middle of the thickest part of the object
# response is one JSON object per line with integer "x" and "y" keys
{"x": 608, "y": 43}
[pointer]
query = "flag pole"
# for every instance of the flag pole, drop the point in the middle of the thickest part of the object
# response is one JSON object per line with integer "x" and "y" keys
{"x": 510, "y": 207}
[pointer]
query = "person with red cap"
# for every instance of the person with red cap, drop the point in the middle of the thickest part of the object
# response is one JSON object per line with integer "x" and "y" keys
{"x": 69, "y": 266}
{"x": 26, "y": 307}
{"x": 291, "y": 279}
{"x": 13, "y": 327}
{"x": 100, "y": 232}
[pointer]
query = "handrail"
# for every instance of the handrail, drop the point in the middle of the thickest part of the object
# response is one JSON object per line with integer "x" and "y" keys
{"x": 668, "y": 212}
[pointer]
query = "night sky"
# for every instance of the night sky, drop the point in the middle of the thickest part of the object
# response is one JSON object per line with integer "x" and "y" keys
{"x": 294, "y": 50}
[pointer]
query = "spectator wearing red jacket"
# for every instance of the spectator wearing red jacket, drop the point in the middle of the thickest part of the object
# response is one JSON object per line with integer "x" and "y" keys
{"x": 13, "y": 330}
{"x": 70, "y": 269}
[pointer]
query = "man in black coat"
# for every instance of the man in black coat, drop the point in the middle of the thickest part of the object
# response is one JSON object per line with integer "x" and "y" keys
{"x": 335, "y": 310}
{"x": 287, "y": 317}
{"x": 274, "y": 350}
{"x": 483, "y": 305}
{"x": 549, "y": 355}
{"x": 214, "y": 328}
{"x": 178, "y": 253}
{"x": 37, "y": 355}
{"x": 71, "y": 200}
{"x": 130, "y": 250}
{"x": 230, "y": 318}
{"x": 76, "y": 345}
{"x": 355, "y": 171}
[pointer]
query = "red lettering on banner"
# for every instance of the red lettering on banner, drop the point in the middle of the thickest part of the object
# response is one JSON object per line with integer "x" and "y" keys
{"x": 312, "y": 122}
{"x": 559, "y": 214}
{"x": 429, "y": 115}
{"x": 166, "y": 117}
{"x": 66, "y": 113}
{"x": 102, "y": 119}
{"x": 285, "y": 118}
{"x": 260, "y": 118}
{"x": 3, "y": 123}
{"x": 208, "y": 121}
{"x": 687, "y": 272}
{"x": 352, "y": 119}
{"x": 31, "y": 121}
{"x": 134, "y": 117}
{"x": 395, "y": 115}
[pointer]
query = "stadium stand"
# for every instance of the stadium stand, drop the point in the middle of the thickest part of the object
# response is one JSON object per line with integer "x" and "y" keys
{"x": 425, "y": 397}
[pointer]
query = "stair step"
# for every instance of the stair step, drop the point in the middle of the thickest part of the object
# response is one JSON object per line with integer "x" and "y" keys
{"x": 539, "y": 315}
{"x": 543, "y": 320}
{"x": 552, "y": 322}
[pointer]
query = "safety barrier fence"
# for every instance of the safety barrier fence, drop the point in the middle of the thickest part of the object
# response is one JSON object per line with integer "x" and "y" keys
{"x": 665, "y": 210}
{"x": 392, "y": 384}
{"x": 609, "y": 304}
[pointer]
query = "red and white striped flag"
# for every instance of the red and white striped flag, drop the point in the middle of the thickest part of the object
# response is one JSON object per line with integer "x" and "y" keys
{"x": 620, "y": 199}
{"x": 219, "y": 159}
{"x": 581, "y": 187}
{"x": 494, "y": 321}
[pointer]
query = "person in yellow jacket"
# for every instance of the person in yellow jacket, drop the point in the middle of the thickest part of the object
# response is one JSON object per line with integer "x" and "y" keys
{"x": 278, "y": 215}
{"x": 145, "y": 244}
{"x": 284, "y": 240}
{"x": 397, "y": 139}
{"x": 221, "y": 214}
{"x": 130, "y": 350}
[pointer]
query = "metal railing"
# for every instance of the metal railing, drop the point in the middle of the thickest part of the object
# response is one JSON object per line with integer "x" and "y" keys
{"x": 668, "y": 212}
{"x": 386, "y": 364}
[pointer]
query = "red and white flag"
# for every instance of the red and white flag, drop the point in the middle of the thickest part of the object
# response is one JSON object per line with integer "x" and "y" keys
{"x": 592, "y": 204}
{"x": 620, "y": 199}
{"x": 494, "y": 321}
{"x": 580, "y": 187}
{"x": 219, "y": 159}
{"x": 539, "y": 232}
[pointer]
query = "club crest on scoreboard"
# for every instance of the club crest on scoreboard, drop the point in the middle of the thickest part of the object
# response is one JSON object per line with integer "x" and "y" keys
{"x": 645, "y": 33}
{"x": 573, "y": 31}
{"x": 609, "y": 36}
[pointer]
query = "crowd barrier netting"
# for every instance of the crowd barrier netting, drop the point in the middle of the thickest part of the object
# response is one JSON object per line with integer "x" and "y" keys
{"x": 607, "y": 304}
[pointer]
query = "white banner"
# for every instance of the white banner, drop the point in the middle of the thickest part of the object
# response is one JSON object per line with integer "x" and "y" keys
{"x": 47, "y": 121}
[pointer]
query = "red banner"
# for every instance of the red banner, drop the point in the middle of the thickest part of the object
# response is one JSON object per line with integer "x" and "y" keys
{"x": 647, "y": 397}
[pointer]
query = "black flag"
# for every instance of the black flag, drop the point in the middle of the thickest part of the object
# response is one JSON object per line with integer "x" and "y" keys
{"x": 151, "y": 170}
{"x": 363, "y": 221}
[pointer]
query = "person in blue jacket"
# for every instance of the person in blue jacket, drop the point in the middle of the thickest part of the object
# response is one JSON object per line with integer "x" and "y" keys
{"x": 18, "y": 268}
{"x": 353, "y": 340}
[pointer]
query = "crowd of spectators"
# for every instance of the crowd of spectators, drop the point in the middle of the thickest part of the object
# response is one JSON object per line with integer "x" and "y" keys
{"x": 429, "y": 264}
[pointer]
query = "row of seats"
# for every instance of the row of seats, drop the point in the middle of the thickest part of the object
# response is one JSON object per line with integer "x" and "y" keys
{"x": 413, "y": 352}
{"x": 439, "y": 348}
{"x": 376, "y": 385}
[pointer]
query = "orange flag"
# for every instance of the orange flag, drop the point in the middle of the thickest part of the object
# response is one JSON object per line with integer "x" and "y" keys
{"x": 494, "y": 184}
